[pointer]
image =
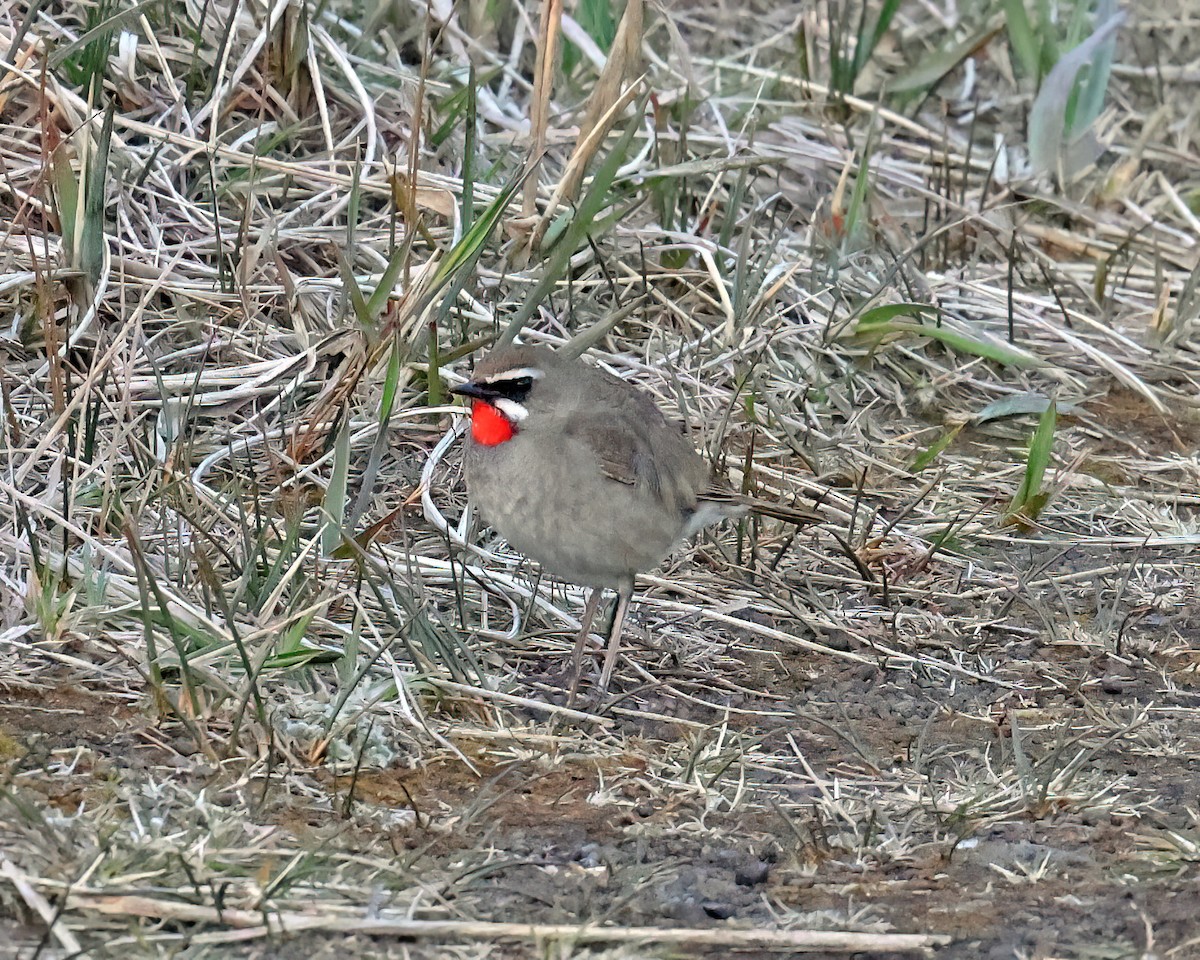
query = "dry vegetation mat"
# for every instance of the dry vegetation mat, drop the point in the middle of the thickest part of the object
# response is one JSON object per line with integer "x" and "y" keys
{"x": 266, "y": 690}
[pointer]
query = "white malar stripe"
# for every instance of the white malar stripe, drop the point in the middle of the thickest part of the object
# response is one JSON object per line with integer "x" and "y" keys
{"x": 510, "y": 408}
{"x": 532, "y": 372}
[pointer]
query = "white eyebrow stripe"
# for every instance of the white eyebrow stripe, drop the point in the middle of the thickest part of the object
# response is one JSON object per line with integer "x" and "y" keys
{"x": 533, "y": 373}
{"x": 511, "y": 409}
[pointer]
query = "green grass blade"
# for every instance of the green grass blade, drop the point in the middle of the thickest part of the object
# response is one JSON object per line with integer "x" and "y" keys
{"x": 433, "y": 380}
{"x": 467, "y": 250}
{"x": 1019, "y": 405}
{"x": 934, "y": 67}
{"x": 353, "y": 206}
{"x": 879, "y": 322}
{"x": 91, "y": 246}
{"x": 856, "y": 211}
{"x": 1030, "y": 499}
{"x": 1021, "y": 37}
{"x": 391, "y": 384}
{"x": 387, "y": 281}
{"x": 934, "y": 450}
{"x": 596, "y": 18}
{"x": 391, "y": 388}
{"x": 1052, "y": 133}
{"x": 66, "y": 196}
{"x": 470, "y": 134}
{"x": 100, "y": 33}
{"x": 358, "y": 303}
{"x": 996, "y": 352}
{"x": 1091, "y": 96}
{"x": 335, "y": 494}
{"x": 878, "y": 316}
{"x": 868, "y": 40}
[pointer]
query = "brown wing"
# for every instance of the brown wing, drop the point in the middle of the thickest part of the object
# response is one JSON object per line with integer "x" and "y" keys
{"x": 636, "y": 445}
{"x": 622, "y": 455}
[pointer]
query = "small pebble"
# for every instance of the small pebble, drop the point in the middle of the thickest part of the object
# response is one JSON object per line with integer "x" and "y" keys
{"x": 588, "y": 856}
{"x": 751, "y": 873}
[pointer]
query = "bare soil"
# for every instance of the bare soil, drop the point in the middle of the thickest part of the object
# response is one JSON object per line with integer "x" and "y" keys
{"x": 1048, "y": 810}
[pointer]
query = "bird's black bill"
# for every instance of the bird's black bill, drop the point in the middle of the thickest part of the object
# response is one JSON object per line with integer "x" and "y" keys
{"x": 515, "y": 388}
{"x": 477, "y": 391}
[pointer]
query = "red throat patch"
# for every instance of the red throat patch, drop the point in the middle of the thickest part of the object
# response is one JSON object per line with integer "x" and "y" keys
{"x": 489, "y": 426}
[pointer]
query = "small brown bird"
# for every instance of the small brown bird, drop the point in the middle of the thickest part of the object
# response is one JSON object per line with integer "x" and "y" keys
{"x": 581, "y": 471}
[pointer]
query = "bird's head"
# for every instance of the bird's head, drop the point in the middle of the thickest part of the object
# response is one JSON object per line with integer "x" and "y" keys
{"x": 509, "y": 386}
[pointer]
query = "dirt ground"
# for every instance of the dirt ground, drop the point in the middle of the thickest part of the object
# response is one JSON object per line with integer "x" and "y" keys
{"x": 1047, "y": 809}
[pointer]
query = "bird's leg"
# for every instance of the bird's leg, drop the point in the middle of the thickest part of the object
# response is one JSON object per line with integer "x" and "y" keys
{"x": 614, "y": 638}
{"x": 590, "y": 606}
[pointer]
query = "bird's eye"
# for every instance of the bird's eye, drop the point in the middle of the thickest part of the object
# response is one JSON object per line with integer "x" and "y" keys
{"x": 515, "y": 388}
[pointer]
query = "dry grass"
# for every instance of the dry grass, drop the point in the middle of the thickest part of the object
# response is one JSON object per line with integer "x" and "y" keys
{"x": 256, "y": 675}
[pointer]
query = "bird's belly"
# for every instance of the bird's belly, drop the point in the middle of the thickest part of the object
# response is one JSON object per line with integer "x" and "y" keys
{"x": 595, "y": 531}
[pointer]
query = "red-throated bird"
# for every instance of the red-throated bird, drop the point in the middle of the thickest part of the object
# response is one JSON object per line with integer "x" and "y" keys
{"x": 583, "y": 473}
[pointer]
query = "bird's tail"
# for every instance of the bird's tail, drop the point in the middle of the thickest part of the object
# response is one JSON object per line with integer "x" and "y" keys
{"x": 801, "y": 516}
{"x": 722, "y": 504}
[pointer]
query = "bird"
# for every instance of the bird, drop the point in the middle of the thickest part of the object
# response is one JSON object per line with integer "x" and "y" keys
{"x": 584, "y": 473}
